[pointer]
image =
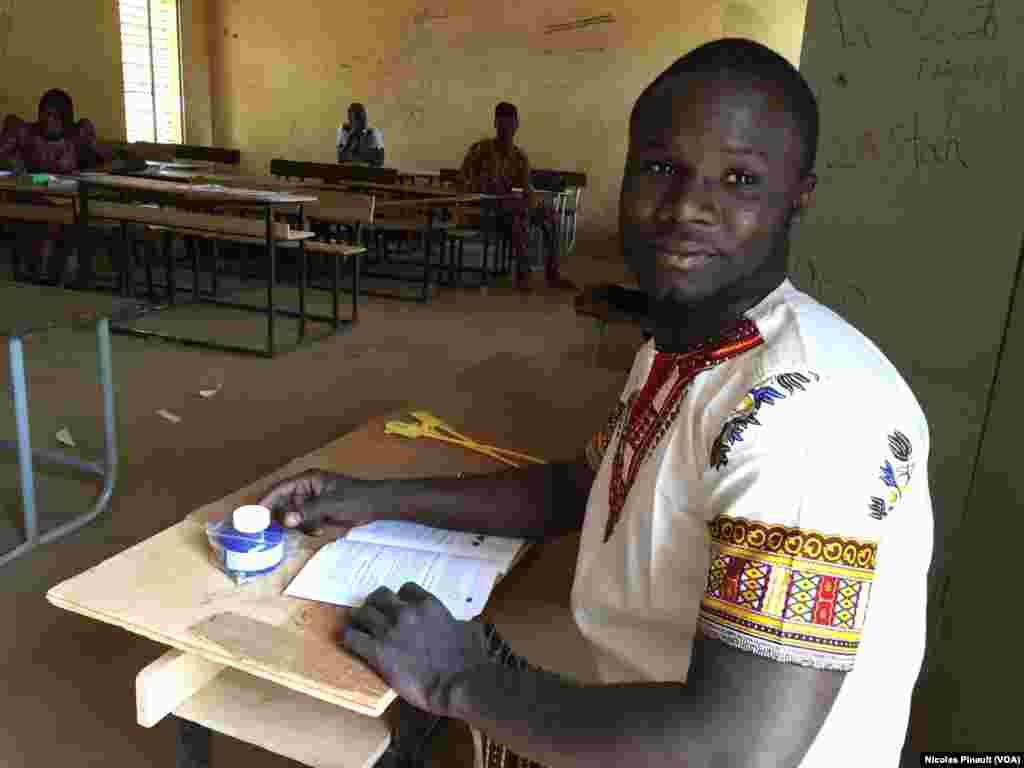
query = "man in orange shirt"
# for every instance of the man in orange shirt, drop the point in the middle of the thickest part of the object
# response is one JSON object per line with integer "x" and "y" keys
{"x": 497, "y": 167}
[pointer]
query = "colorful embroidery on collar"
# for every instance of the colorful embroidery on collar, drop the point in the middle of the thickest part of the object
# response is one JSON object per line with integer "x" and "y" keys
{"x": 651, "y": 411}
{"x": 745, "y": 414}
{"x": 598, "y": 444}
{"x": 895, "y": 477}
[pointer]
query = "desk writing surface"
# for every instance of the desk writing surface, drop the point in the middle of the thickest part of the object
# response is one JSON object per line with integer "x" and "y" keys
{"x": 60, "y": 190}
{"x": 190, "y": 192}
{"x": 167, "y": 584}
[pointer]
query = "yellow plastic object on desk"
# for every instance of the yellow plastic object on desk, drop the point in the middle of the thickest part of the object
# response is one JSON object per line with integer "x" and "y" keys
{"x": 432, "y": 423}
{"x": 414, "y": 431}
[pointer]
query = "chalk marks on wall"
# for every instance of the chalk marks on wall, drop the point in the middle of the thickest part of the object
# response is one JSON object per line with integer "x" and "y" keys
{"x": 844, "y": 296}
{"x": 590, "y": 21}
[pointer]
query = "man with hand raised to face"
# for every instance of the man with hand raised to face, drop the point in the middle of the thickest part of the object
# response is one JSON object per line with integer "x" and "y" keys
{"x": 755, "y": 514}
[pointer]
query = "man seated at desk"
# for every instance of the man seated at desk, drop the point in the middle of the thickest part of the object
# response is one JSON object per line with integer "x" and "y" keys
{"x": 497, "y": 166}
{"x": 755, "y": 513}
{"x": 357, "y": 141}
{"x": 56, "y": 144}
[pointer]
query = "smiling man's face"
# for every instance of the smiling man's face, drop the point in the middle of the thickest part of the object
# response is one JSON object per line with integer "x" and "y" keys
{"x": 712, "y": 177}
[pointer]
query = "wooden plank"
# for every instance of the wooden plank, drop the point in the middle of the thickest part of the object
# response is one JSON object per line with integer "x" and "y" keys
{"x": 308, "y": 660}
{"x": 294, "y": 235}
{"x": 341, "y": 250}
{"x": 64, "y": 214}
{"x": 168, "y": 682}
{"x": 341, "y": 207}
{"x": 287, "y": 723}
{"x": 178, "y": 219}
{"x": 10, "y": 184}
{"x": 166, "y": 585}
{"x": 181, "y": 188}
{"x": 439, "y": 201}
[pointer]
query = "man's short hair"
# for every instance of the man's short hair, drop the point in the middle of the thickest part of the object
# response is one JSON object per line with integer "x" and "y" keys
{"x": 60, "y": 102}
{"x": 506, "y": 109}
{"x": 741, "y": 59}
{"x": 359, "y": 109}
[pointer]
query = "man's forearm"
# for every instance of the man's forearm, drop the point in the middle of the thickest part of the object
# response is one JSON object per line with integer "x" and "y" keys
{"x": 536, "y": 502}
{"x": 558, "y": 723}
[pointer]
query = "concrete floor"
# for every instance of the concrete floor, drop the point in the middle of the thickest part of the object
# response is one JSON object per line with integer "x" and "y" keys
{"x": 521, "y": 370}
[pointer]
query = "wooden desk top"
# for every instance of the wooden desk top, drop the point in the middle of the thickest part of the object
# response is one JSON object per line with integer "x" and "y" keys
{"x": 440, "y": 201}
{"x": 192, "y": 192}
{"x": 416, "y": 172}
{"x": 64, "y": 188}
{"x": 166, "y": 585}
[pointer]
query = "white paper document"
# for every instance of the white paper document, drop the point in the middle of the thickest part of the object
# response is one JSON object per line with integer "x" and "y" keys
{"x": 345, "y": 572}
{"x": 396, "y": 533}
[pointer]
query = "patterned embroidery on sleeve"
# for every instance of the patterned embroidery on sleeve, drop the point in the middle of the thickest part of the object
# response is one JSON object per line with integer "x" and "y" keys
{"x": 895, "y": 476}
{"x": 598, "y": 444}
{"x": 745, "y": 414}
{"x": 789, "y": 594}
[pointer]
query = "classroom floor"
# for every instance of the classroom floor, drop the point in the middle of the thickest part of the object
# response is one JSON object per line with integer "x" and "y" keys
{"x": 519, "y": 364}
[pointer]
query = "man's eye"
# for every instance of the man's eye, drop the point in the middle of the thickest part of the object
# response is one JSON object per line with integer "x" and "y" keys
{"x": 739, "y": 178}
{"x": 658, "y": 168}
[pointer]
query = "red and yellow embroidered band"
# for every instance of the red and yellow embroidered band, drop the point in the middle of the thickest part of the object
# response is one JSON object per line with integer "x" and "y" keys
{"x": 788, "y": 594}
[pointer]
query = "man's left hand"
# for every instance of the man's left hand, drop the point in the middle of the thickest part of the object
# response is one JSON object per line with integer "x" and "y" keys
{"x": 415, "y": 644}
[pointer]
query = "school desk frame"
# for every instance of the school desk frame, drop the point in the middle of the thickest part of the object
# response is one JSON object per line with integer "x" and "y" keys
{"x": 172, "y": 196}
{"x": 105, "y": 468}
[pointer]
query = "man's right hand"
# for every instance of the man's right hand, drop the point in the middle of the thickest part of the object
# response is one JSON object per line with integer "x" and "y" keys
{"x": 315, "y": 498}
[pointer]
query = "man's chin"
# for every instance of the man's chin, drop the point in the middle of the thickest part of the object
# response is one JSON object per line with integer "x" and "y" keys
{"x": 678, "y": 291}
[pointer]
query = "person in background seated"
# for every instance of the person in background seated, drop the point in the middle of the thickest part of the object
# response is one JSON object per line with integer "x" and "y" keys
{"x": 53, "y": 144}
{"x": 497, "y": 167}
{"x": 357, "y": 142}
{"x": 57, "y": 144}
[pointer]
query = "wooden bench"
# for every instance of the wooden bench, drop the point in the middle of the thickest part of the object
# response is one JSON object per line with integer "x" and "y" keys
{"x": 43, "y": 214}
{"x": 214, "y": 224}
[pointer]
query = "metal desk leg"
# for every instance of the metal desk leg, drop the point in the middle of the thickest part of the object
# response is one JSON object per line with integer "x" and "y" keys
{"x": 167, "y": 242}
{"x": 271, "y": 279}
{"x": 335, "y": 279}
{"x": 215, "y": 248}
{"x": 108, "y": 471}
{"x": 357, "y": 260}
{"x": 193, "y": 745}
{"x": 25, "y": 476}
{"x": 425, "y": 291}
{"x": 192, "y": 248}
{"x": 302, "y": 289}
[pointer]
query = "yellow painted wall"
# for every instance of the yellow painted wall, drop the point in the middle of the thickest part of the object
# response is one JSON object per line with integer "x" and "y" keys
{"x": 69, "y": 44}
{"x": 283, "y": 74}
{"x": 194, "y": 20}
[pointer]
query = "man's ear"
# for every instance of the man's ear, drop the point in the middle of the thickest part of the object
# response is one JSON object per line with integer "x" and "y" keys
{"x": 804, "y": 198}
{"x": 805, "y": 195}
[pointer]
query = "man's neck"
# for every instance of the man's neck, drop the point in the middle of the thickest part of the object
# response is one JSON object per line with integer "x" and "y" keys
{"x": 682, "y": 327}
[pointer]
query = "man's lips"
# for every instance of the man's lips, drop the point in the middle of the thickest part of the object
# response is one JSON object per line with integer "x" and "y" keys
{"x": 684, "y": 257}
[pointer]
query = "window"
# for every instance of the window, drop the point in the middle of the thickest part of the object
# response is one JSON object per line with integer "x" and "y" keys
{"x": 152, "y": 70}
